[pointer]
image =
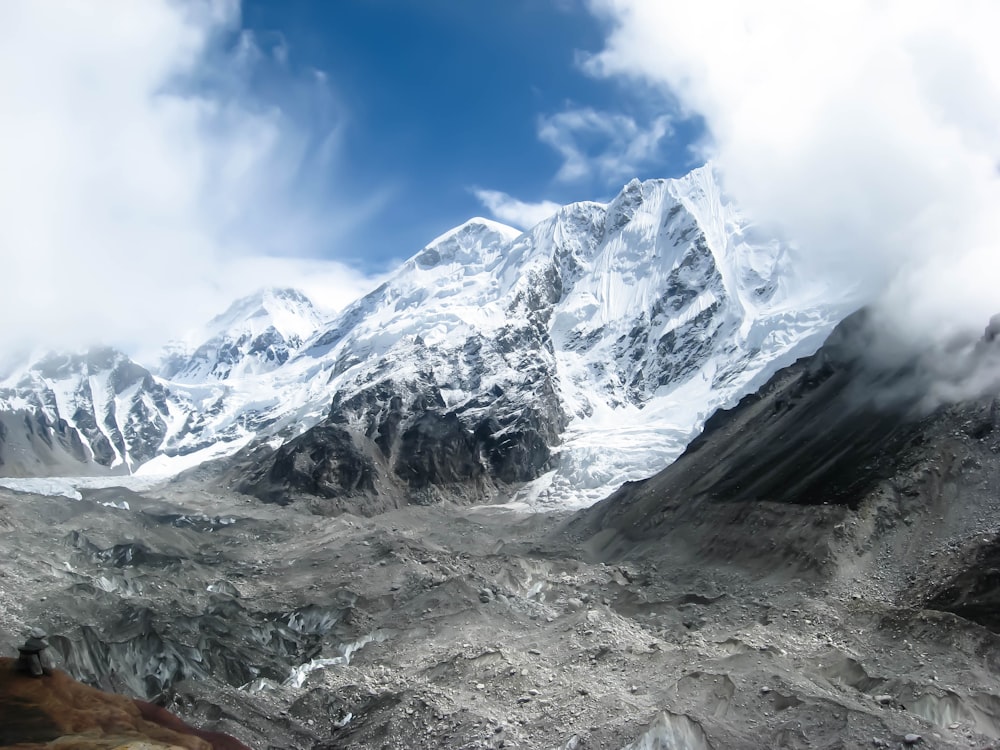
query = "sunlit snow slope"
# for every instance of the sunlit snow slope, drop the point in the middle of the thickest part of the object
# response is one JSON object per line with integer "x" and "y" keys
{"x": 256, "y": 334}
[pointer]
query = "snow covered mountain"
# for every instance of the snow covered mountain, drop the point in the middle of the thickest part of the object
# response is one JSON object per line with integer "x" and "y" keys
{"x": 548, "y": 366}
{"x": 82, "y": 413}
{"x": 100, "y": 412}
{"x": 256, "y": 334}
{"x": 557, "y": 363}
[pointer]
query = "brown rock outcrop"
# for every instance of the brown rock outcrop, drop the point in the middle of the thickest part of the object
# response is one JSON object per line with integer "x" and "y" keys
{"x": 56, "y": 711}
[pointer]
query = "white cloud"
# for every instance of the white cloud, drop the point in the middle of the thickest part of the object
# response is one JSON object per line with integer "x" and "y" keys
{"x": 607, "y": 145}
{"x": 140, "y": 172}
{"x": 518, "y": 213}
{"x": 869, "y": 132}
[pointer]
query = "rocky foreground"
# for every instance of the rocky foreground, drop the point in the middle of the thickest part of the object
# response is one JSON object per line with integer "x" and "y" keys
{"x": 446, "y": 628}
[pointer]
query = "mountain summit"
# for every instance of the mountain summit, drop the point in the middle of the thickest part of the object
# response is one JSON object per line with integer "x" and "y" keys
{"x": 256, "y": 334}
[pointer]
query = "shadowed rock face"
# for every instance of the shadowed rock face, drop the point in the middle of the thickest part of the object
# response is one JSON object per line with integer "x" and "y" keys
{"x": 845, "y": 467}
{"x": 397, "y": 442}
{"x": 825, "y": 430}
{"x": 324, "y": 462}
{"x": 449, "y": 627}
{"x": 973, "y": 591}
{"x": 436, "y": 449}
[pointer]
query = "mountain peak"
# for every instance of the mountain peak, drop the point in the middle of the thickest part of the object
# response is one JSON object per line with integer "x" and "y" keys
{"x": 265, "y": 301}
{"x": 256, "y": 333}
{"x": 575, "y": 356}
{"x": 651, "y": 310}
{"x": 465, "y": 243}
{"x": 477, "y": 225}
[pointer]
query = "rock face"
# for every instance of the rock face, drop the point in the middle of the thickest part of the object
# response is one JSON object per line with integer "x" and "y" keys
{"x": 89, "y": 413}
{"x": 825, "y": 430}
{"x": 897, "y": 451}
{"x": 100, "y": 412}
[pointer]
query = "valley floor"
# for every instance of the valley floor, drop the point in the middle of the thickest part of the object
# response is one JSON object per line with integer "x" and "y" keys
{"x": 440, "y": 627}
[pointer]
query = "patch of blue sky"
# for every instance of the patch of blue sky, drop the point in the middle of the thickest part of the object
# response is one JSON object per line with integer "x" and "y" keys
{"x": 424, "y": 107}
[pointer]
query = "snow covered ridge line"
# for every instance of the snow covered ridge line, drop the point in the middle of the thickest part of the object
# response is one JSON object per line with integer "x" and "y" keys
{"x": 256, "y": 334}
{"x": 543, "y": 367}
{"x": 99, "y": 412}
{"x": 550, "y": 366}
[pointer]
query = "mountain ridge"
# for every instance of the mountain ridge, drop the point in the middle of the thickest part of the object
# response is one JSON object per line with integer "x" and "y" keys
{"x": 553, "y": 363}
{"x": 255, "y": 334}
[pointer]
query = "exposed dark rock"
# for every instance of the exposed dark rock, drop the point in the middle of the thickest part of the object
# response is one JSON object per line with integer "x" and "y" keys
{"x": 403, "y": 444}
{"x": 854, "y": 438}
{"x": 391, "y": 441}
{"x": 816, "y": 433}
{"x": 973, "y": 592}
{"x": 325, "y": 462}
{"x": 437, "y": 449}
{"x": 126, "y": 423}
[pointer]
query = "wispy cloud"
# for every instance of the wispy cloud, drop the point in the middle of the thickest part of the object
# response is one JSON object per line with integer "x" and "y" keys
{"x": 141, "y": 167}
{"x": 515, "y": 212}
{"x": 595, "y": 145}
{"x": 608, "y": 146}
{"x": 868, "y": 132}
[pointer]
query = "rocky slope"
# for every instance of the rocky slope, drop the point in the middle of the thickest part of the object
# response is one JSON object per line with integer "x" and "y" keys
{"x": 816, "y": 571}
{"x": 837, "y": 429}
{"x": 867, "y": 484}
{"x": 704, "y": 609}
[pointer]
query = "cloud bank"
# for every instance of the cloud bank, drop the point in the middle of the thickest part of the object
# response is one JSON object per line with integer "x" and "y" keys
{"x": 866, "y": 132}
{"x": 141, "y": 172}
{"x": 596, "y": 147}
{"x": 608, "y": 145}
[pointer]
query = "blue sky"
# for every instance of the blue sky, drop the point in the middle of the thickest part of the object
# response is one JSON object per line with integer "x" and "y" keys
{"x": 436, "y": 99}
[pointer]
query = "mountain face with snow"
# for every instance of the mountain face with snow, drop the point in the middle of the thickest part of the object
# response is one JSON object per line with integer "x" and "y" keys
{"x": 101, "y": 412}
{"x": 97, "y": 410}
{"x": 255, "y": 335}
{"x": 553, "y": 365}
{"x": 544, "y": 367}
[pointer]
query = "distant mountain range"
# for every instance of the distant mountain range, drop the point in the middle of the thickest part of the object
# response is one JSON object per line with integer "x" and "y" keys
{"x": 546, "y": 367}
